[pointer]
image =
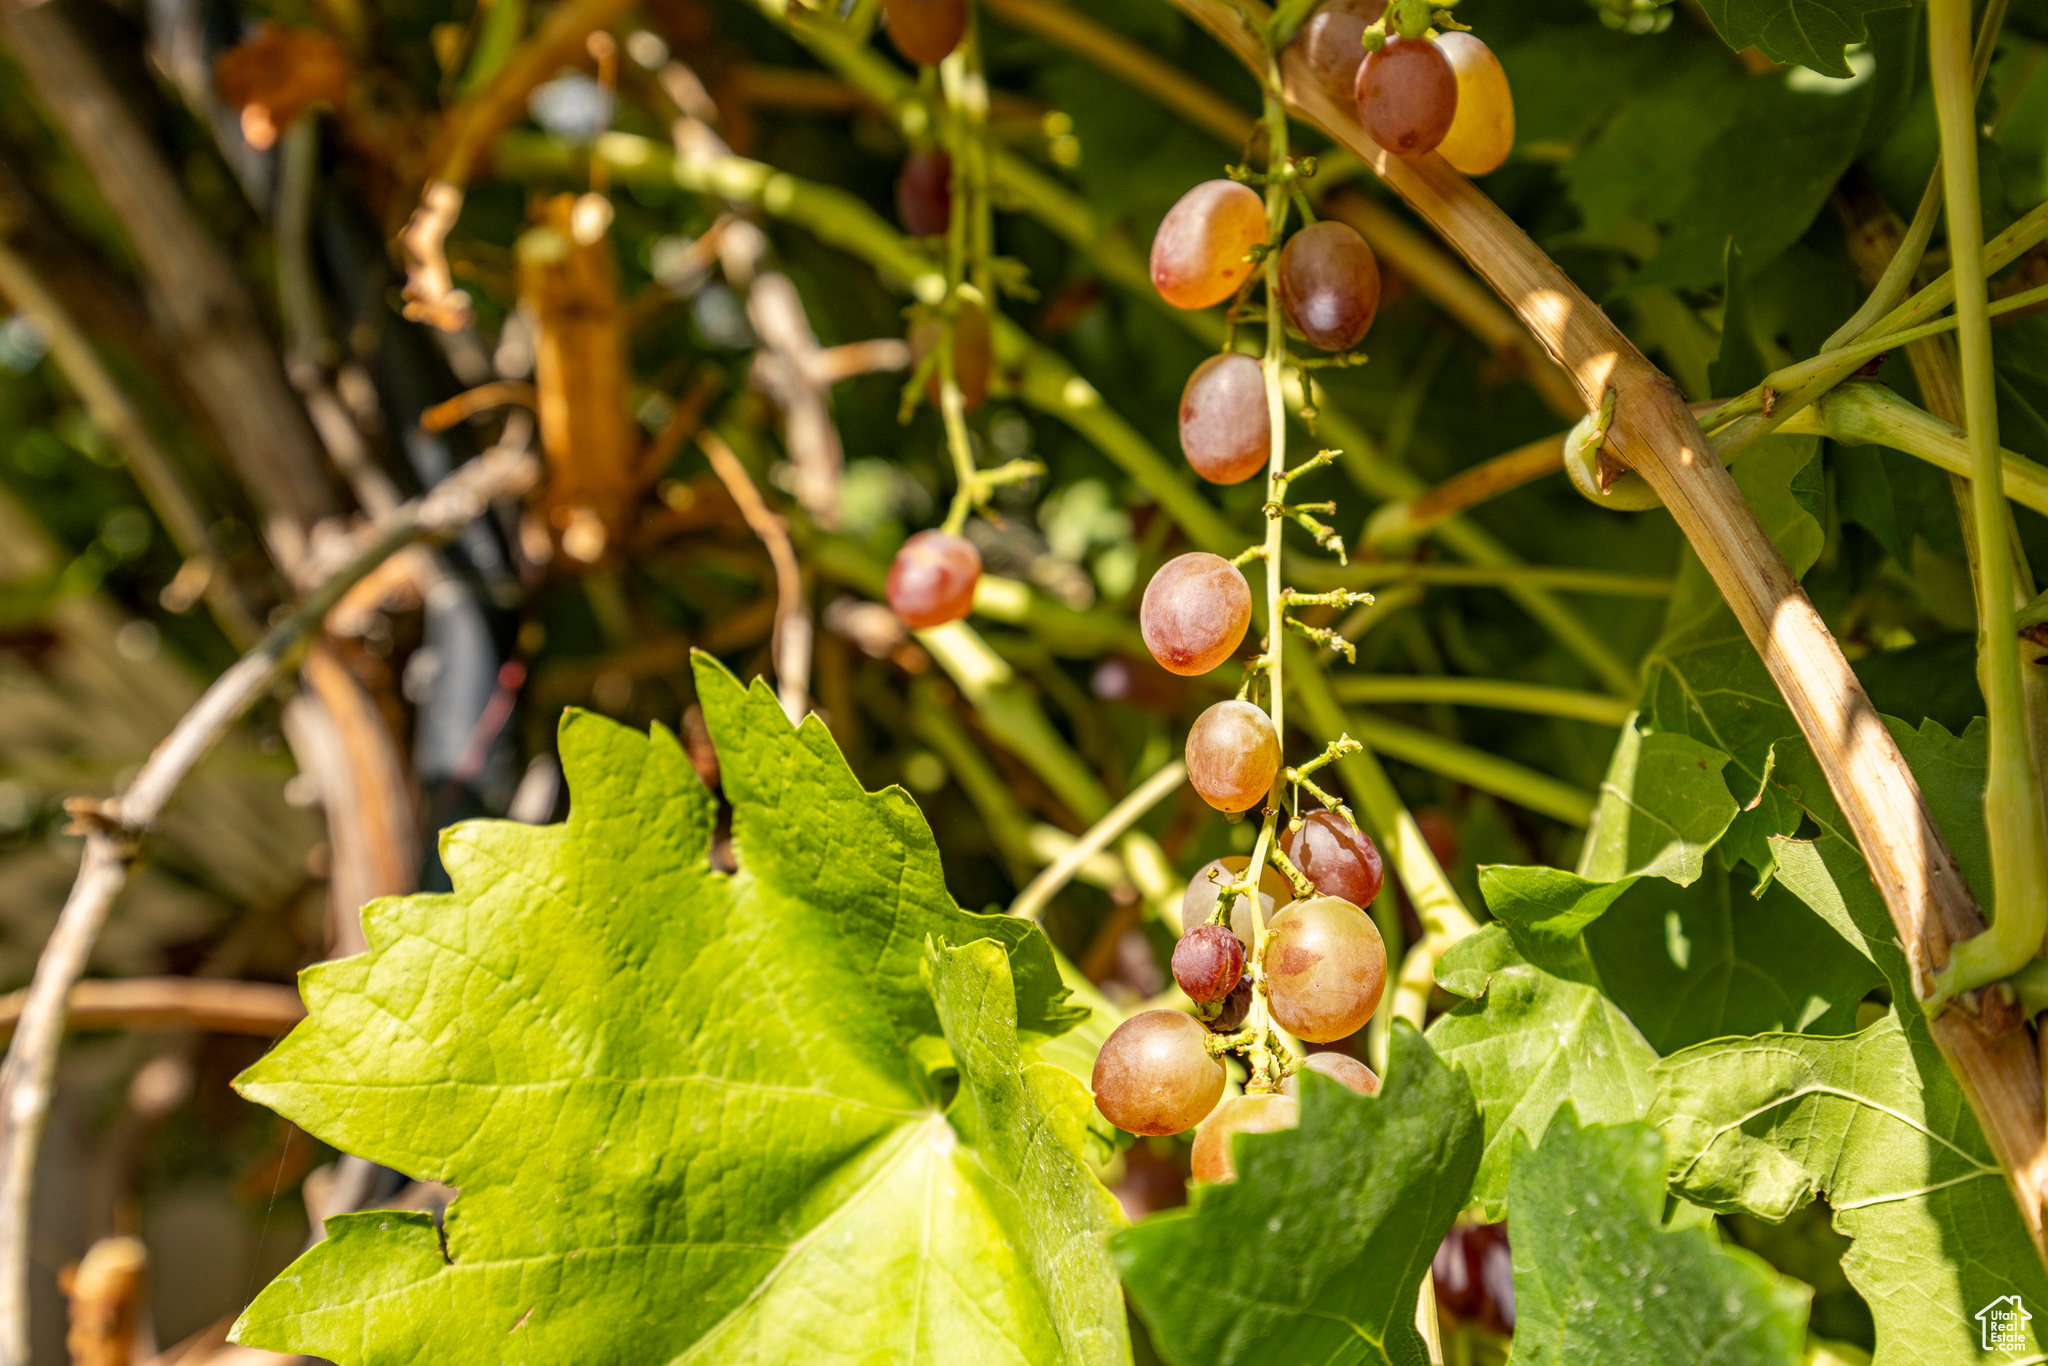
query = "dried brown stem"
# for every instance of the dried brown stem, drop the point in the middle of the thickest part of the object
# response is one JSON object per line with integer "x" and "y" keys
{"x": 792, "y": 640}
{"x": 114, "y": 827}
{"x": 1396, "y": 524}
{"x": 1656, "y": 435}
{"x": 105, "y": 1290}
{"x": 263, "y": 1009}
{"x": 499, "y": 393}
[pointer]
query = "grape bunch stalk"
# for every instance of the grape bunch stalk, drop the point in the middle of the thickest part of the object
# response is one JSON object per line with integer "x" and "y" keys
{"x": 942, "y": 199}
{"x": 1277, "y": 944}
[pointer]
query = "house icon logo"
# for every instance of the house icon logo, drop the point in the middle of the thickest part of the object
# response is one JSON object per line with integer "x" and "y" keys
{"x": 2005, "y": 1322}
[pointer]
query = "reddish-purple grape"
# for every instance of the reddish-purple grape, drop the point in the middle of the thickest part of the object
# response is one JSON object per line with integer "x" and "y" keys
{"x": 1235, "y": 1007}
{"x": 1154, "y": 1074}
{"x": 924, "y": 193}
{"x": 1200, "y": 255}
{"x": 1341, "y": 1068}
{"x": 1226, "y": 430}
{"x": 973, "y": 352}
{"x": 1233, "y": 755}
{"x": 1198, "y": 903}
{"x": 925, "y": 31}
{"x": 1207, "y": 962}
{"x": 1407, "y": 96}
{"x": 1252, "y": 1113}
{"x": 931, "y": 580}
{"x": 1482, "y": 133}
{"x": 1325, "y": 968}
{"x": 1329, "y": 285}
{"x": 1335, "y": 856}
{"x": 1194, "y": 612}
{"x": 1330, "y": 48}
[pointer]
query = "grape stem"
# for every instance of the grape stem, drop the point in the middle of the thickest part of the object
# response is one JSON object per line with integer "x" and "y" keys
{"x": 2012, "y": 794}
{"x": 1265, "y": 1050}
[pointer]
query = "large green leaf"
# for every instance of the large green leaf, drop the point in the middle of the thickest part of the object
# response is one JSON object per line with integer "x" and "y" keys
{"x": 1600, "y": 1281}
{"x": 1317, "y": 1252}
{"x": 1534, "y": 1039}
{"x": 1764, "y": 1124}
{"x": 1694, "y": 963}
{"x": 692, "y": 1116}
{"x": 1811, "y": 33}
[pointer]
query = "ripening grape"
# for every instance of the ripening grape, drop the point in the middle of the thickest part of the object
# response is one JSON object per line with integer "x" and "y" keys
{"x": 1236, "y": 1006}
{"x": 1154, "y": 1074}
{"x": 1200, "y": 253}
{"x": 1325, "y": 966}
{"x": 1330, "y": 48}
{"x": 1198, "y": 903}
{"x": 1329, "y": 285}
{"x": 1336, "y": 856}
{"x": 1483, "y": 130}
{"x": 1407, "y": 95}
{"x": 924, "y": 193}
{"x": 973, "y": 352}
{"x": 1194, "y": 612}
{"x": 1226, "y": 430}
{"x": 932, "y": 578}
{"x": 1233, "y": 755}
{"x": 1207, "y": 962}
{"x": 1341, "y": 1068}
{"x": 925, "y": 30}
{"x": 1252, "y": 1113}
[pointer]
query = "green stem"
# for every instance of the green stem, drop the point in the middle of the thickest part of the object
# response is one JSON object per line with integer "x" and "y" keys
{"x": 1497, "y": 693}
{"x": 2012, "y": 806}
{"x": 1263, "y": 1076}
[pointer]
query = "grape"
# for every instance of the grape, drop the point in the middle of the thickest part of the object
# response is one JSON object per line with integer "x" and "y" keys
{"x": 1226, "y": 430}
{"x": 1254, "y": 1113}
{"x": 1233, "y": 755}
{"x": 1329, "y": 285}
{"x": 1407, "y": 95}
{"x": 1235, "y": 1007}
{"x": 1199, "y": 254}
{"x": 1483, "y": 130}
{"x": 1341, "y": 1068}
{"x": 931, "y": 580}
{"x": 973, "y": 352}
{"x": 1154, "y": 1074}
{"x": 1199, "y": 901}
{"x": 1336, "y": 856}
{"x": 925, "y": 30}
{"x": 1207, "y": 962}
{"x": 1330, "y": 46}
{"x": 924, "y": 193}
{"x": 1325, "y": 966}
{"x": 1194, "y": 612}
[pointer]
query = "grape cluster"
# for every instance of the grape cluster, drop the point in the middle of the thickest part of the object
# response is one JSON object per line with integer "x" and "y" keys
{"x": 1416, "y": 90}
{"x": 1280, "y": 939}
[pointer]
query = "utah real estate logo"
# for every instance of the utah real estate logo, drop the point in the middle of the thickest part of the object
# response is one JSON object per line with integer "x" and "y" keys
{"x": 2004, "y": 1321}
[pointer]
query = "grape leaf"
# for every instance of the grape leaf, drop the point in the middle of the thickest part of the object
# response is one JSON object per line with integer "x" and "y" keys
{"x": 1695, "y": 963}
{"x": 692, "y": 1116}
{"x": 1547, "y": 901}
{"x": 1533, "y": 1039}
{"x": 1812, "y": 33}
{"x": 1600, "y": 1281}
{"x": 1662, "y": 805}
{"x": 1764, "y": 1124}
{"x": 1317, "y": 1251}
{"x": 1877, "y": 1122}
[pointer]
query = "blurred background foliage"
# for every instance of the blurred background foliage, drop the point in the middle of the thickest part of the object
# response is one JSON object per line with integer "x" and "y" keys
{"x": 1668, "y": 175}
